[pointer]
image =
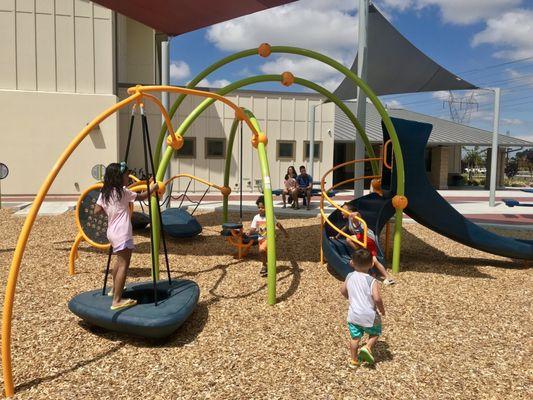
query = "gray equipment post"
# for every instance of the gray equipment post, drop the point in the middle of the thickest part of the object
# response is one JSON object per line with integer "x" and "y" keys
{"x": 311, "y": 133}
{"x": 494, "y": 152}
{"x": 359, "y": 168}
{"x": 165, "y": 72}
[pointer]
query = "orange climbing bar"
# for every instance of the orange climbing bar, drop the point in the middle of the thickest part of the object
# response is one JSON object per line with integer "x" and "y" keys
{"x": 222, "y": 189}
{"x": 385, "y": 147}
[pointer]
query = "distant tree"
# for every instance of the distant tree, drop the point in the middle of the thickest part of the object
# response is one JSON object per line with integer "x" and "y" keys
{"x": 473, "y": 158}
{"x": 511, "y": 169}
{"x": 525, "y": 160}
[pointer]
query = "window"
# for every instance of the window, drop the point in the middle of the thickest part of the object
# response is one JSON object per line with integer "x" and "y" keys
{"x": 318, "y": 151}
{"x": 285, "y": 149}
{"x": 215, "y": 147}
{"x": 188, "y": 150}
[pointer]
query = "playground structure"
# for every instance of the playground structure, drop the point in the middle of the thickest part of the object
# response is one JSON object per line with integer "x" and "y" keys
{"x": 174, "y": 142}
{"x": 393, "y": 182}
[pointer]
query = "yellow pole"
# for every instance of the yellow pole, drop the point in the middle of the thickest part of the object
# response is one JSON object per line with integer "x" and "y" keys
{"x": 74, "y": 254}
{"x": 7, "y": 314}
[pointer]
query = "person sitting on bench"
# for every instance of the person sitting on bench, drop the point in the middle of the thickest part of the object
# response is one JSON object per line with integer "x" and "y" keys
{"x": 290, "y": 186}
{"x": 305, "y": 186}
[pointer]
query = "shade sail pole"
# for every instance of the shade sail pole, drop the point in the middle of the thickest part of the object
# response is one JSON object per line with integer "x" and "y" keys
{"x": 494, "y": 152}
{"x": 311, "y": 134}
{"x": 165, "y": 75}
{"x": 359, "y": 168}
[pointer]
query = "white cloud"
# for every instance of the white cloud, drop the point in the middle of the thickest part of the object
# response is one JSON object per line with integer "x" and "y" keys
{"x": 323, "y": 25}
{"x": 441, "y": 95}
{"x": 482, "y": 115}
{"x": 332, "y": 83}
{"x": 480, "y": 97}
{"x": 400, "y": 5}
{"x": 179, "y": 70}
{"x": 393, "y": 104}
{"x": 326, "y": 26}
{"x": 512, "y": 121}
{"x": 518, "y": 78}
{"x": 512, "y": 30}
{"x": 525, "y": 137}
{"x": 218, "y": 83}
{"x": 460, "y": 12}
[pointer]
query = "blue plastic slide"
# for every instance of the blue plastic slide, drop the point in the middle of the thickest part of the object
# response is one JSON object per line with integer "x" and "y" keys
{"x": 425, "y": 206}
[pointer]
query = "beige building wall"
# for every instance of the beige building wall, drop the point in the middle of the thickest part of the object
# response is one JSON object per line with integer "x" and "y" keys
{"x": 137, "y": 52}
{"x": 57, "y": 73}
{"x": 56, "y": 46}
{"x": 38, "y": 128}
{"x": 439, "y": 167}
{"x": 283, "y": 116}
{"x": 454, "y": 160}
{"x": 62, "y": 62}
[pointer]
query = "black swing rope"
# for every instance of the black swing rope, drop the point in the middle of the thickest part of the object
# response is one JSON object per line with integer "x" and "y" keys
{"x": 147, "y": 150}
{"x": 240, "y": 176}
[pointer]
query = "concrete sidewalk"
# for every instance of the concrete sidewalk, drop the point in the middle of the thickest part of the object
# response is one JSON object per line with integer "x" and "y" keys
{"x": 473, "y": 204}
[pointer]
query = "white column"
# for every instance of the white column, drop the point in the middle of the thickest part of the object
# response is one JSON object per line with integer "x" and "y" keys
{"x": 359, "y": 168}
{"x": 494, "y": 152}
{"x": 165, "y": 73}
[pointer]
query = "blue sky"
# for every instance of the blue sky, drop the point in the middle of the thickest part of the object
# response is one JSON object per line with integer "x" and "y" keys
{"x": 488, "y": 42}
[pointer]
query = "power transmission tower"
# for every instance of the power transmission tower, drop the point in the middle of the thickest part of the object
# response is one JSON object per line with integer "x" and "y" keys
{"x": 461, "y": 107}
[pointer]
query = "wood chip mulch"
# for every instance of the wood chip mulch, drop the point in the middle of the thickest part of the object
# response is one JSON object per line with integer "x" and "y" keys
{"x": 458, "y": 326}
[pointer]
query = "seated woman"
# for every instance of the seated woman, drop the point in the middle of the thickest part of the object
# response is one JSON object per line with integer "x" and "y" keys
{"x": 290, "y": 185}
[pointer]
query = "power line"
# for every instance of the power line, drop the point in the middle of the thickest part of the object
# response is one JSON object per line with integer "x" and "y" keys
{"x": 499, "y": 82}
{"x": 497, "y": 65}
{"x": 492, "y": 73}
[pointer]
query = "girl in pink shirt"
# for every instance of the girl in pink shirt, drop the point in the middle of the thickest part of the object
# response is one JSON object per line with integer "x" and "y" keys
{"x": 114, "y": 200}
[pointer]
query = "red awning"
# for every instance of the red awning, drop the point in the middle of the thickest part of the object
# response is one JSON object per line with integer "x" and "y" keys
{"x": 175, "y": 17}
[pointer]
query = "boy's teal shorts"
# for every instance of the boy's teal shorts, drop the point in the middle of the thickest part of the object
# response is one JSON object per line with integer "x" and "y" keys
{"x": 357, "y": 331}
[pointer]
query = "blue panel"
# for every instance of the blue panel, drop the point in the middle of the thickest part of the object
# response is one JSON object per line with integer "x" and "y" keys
{"x": 178, "y": 223}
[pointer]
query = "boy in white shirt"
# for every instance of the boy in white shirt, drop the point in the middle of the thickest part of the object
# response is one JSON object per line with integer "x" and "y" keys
{"x": 259, "y": 228}
{"x": 364, "y": 296}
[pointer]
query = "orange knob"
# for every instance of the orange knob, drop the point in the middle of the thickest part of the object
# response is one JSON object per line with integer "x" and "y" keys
{"x": 399, "y": 202}
{"x": 264, "y": 50}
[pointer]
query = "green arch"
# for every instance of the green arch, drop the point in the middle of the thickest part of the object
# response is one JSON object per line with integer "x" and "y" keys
{"x": 398, "y": 159}
{"x": 277, "y": 78}
{"x": 290, "y": 50}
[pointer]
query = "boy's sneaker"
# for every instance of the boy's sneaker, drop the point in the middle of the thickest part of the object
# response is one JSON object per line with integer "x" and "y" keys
{"x": 389, "y": 281}
{"x": 366, "y": 355}
{"x": 263, "y": 271}
{"x": 353, "y": 364}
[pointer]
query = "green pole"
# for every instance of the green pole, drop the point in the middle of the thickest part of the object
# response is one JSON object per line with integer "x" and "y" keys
{"x": 227, "y": 168}
{"x": 269, "y": 211}
{"x": 398, "y": 216}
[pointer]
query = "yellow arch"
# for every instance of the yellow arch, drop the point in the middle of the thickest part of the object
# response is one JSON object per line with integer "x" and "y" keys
{"x": 136, "y": 95}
